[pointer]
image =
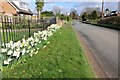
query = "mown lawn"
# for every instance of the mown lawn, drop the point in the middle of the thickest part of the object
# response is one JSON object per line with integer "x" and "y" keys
{"x": 62, "y": 58}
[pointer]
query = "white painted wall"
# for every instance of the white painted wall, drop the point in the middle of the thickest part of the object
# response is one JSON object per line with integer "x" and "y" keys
{"x": 19, "y": 2}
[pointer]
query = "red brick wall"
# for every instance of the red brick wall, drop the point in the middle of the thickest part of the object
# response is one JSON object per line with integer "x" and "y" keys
{"x": 7, "y": 8}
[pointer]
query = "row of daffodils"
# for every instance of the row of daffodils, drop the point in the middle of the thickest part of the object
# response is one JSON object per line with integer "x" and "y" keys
{"x": 15, "y": 50}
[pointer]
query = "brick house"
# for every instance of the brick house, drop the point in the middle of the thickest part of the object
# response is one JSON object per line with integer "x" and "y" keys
{"x": 15, "y": 7}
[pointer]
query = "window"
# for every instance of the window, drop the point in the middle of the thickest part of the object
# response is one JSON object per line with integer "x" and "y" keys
{"x": 23, "y": 5}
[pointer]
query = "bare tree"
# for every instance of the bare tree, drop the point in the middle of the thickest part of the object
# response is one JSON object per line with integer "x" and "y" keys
{"x": 57, "y": 10}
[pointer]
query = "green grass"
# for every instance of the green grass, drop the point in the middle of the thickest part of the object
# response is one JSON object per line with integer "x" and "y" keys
{"x": 62, "y": 58}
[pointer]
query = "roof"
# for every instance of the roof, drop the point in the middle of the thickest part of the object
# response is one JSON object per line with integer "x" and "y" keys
{"x": 22, "y": 11}
{"x": 113, "y": 11}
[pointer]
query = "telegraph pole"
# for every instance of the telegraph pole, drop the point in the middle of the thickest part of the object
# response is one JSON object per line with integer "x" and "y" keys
{"x": 102, "y": 9}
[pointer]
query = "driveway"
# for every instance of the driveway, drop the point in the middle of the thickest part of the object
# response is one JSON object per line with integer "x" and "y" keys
{"x": 103, "y": 44}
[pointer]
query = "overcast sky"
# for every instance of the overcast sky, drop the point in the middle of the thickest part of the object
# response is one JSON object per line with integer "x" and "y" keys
{"x": 66, "y": 5}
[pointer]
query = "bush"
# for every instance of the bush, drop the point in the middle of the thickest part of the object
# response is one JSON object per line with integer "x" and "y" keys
{"x": 113, "y": 22}
{"x": 64, "y": 17}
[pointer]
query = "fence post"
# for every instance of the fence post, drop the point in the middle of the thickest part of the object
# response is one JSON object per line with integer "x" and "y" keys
{"x": 43, "y": 24}
{"x": 3, "y": 32}
{"x": 29, "y": 27}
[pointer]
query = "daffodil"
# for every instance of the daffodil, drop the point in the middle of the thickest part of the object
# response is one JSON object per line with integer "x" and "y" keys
{"x": 44, "y": 46}
{"x": 48, "y": 42}
{"x": 23, "y": 51}
{"x": 28, "y": 45}
{"x": 3, "y": 50}
{"x": 10, "y": 52}
{"x": 6, "y": 62}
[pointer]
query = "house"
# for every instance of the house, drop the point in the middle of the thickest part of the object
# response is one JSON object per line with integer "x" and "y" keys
{"x": 6, "y": 8}
{"x": 107, "y": 13}
{"x": 35, "y": 16}
{"x": 1, "y": 10}
{"x": 15, "y": 7}
{"x": 114, "y": 13}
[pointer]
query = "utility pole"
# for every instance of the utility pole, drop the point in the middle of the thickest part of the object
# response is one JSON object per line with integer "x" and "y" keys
{"x": 102, "y": 9}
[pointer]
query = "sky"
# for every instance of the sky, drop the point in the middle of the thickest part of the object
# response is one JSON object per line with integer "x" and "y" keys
{"x": 67, "y": 5}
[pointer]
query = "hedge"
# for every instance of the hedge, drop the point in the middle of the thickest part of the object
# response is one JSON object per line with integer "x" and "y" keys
{"x": 111, "y": 22}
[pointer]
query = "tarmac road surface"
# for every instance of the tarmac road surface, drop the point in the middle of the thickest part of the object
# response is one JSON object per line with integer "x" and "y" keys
{"x": 103, "y": 43}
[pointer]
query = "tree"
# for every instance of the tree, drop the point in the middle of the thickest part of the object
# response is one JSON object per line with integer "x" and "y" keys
{"x": 84, "y": 16}
{"x": 47, "y": 13}
{"x": 40, "y": 4}
{"x": 73, "y": 14}
{"x": 94, "y": 15}
{"x": 57, "y": 10}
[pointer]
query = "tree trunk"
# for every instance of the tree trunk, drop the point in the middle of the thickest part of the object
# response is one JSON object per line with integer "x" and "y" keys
{"x": 39, "y": 14}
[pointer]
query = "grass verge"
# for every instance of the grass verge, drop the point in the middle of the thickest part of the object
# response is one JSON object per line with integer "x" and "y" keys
{"x": 62, "y": 58}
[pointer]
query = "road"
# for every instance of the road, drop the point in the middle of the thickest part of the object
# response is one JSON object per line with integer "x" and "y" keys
{"x": 103, "y": 44}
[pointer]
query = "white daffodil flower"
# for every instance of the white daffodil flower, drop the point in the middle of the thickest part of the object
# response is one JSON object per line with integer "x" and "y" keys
{"x": 32, "y": 51}
{"x": 18, "y": 49}
{"x": 39, "y": 32}
{"x": 8, "y": 45}
{"x": 16, "y": 54}
{"x": 39, "y": 41}
{"x": 36, "y": 40}
{"x": 9, "y": 59}
{"x": 42, "y": 35}
{"x": 45, "y": 38}
{"x": 38, "y": 49}
{"x": 31, "y": 55}
{"x": 28, "y": 51}
{"x": 44, "y": 46}
{"x": 6, "y": 62}
{"x": 36, "y": 34}
{"x": 29, "y": 45}
{"x": 11, "y": 42}
{"x": 10, "y": 52}
{"x": 3, "y": 50}
{"x": 18, "y": 44}
{"x": 3, "y": 44}
{"x": 13, "y": 46}
{"x": 36, "y": 52}
{"x": 48, "y": 42}
{"x": 23, "y": 51}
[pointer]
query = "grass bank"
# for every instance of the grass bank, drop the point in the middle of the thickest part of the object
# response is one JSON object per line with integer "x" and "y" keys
{"x": 62, "y": 58}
